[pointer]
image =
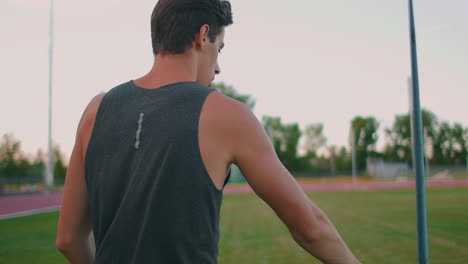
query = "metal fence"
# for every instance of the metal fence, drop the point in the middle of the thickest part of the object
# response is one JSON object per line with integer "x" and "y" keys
{"x": 24, "y": 184}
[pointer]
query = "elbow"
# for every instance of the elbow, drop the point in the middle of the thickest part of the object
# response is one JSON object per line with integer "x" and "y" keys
{"x": 310, "y": 236}
{"x": 62, "y": 243}
{"x": 314, "y": 231}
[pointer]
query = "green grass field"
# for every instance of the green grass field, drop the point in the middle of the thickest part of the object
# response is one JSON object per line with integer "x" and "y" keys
{"x": 379, "y": 226}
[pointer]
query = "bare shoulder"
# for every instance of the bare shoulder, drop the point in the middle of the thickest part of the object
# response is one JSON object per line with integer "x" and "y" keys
{"x": 93, "y": 106}
{"x": 225, "y": 103}
{"x": 85, "y": 127}
{"x": 221, "y": 129}
{"x": 229, "y": 112}
{"x": 238, "y": 127}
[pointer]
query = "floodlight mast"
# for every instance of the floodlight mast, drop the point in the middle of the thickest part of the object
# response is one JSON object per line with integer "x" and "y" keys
{"x": 49, "y": 181}
{"x": 353, "y": 153}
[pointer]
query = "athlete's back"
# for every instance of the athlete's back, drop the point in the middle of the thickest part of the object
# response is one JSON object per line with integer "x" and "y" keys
{"x": 150, "y": 196}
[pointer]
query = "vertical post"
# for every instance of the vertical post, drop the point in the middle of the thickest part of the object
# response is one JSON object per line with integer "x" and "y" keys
{"x": 426, "y": 153}
{"x": 418, "y": 149}
{"x": 50, "y": 168}
{"x": 353, "y": 153}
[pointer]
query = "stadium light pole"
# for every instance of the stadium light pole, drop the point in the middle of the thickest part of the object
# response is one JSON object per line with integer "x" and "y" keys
{"x": 50, "y": 168}
{"x": 418, "y": 148}
{"x": 353, "y": 153}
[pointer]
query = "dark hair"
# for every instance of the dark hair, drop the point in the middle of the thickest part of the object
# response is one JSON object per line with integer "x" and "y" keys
{"x": 174, "y": 23}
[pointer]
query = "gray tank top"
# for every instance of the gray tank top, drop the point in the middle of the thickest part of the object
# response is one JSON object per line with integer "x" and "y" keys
{"x": 150, "y": 196}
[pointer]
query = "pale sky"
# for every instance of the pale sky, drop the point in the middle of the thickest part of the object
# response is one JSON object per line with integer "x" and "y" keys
{"x": 307, "y": 61}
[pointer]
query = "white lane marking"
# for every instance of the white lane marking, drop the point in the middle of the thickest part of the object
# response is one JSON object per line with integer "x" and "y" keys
{"x": 30, "y": 212}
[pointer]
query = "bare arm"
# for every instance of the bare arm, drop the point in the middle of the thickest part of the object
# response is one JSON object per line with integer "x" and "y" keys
{"x": 74, "y": 225}
{"x": 255, "y": 155}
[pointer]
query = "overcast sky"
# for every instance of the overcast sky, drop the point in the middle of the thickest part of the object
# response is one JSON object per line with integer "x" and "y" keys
{"x": 307, "y": 61}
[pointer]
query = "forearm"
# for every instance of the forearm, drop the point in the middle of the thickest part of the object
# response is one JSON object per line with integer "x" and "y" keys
{"x": 329, "y": 250}
{"x": 81, "y": 250}
{"x": 328, "y": 246}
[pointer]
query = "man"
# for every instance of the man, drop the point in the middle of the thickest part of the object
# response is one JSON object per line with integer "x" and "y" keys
{"x": 152, "y": 155}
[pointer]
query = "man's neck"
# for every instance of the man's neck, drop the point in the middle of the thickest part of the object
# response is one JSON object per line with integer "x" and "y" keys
{"x": 169, "y": 69}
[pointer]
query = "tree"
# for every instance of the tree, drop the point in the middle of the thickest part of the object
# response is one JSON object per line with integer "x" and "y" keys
{"x": 365, "y": 131}
{"x": 398, "y": 146}
{"x": 450, "y": 144}
{"x": 314, "y": 138}
{"x": 10, "y": 156}
{"x": 38, "y": 165}
{"x": 365, "y": 136}
{"x": 14, "y": 163}
{"x": 460, "y": 143}
{"x": 229, "y": 90}
{"x": 332, "y": 151}
{"x": 291, "y": 135}
{"x": 343, "y": 160}
{"x": 60, "y": 170}
{"x": 285, "y": 139}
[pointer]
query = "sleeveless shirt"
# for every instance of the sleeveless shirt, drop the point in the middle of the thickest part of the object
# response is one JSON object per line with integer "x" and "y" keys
{"x": 151, "y": 198}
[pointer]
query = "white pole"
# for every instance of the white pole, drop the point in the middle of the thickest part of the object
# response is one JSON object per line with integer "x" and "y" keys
{"x": 50, "y": 167}
{"x": 426, "y": 152}
{"x": 353, "y": 153}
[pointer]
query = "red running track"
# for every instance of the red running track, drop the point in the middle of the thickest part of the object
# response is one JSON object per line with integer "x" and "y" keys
{"x": 27, "y": 204}
{"x": 20, "y": 205}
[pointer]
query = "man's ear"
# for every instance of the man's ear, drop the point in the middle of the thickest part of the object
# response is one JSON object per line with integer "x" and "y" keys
{"x": 202, "y": 36}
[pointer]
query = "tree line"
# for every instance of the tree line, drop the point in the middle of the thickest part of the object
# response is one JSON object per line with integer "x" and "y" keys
{"x": 446, "y": 144}
{"x": 15, "y": 163}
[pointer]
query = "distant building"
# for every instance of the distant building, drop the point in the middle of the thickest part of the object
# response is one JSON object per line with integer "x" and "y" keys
{"x": 378, "y": 168}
